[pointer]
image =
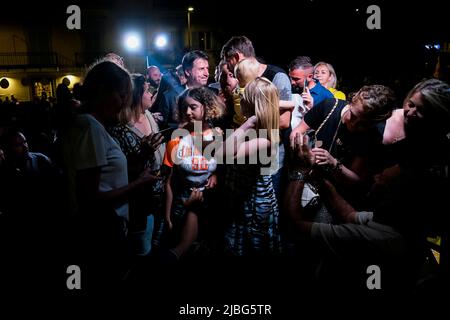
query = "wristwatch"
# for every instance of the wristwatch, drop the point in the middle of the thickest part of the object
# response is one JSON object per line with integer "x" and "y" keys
{"x": 297, "y": 175}
{"x": 337, "y": 167}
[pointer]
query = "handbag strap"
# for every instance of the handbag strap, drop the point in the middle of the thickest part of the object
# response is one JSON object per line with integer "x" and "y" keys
{"x": 326, "y": 118}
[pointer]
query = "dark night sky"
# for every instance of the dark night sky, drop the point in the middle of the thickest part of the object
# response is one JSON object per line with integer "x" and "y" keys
{"x": 335, "y": 32}
{"x": 326, "y": 30}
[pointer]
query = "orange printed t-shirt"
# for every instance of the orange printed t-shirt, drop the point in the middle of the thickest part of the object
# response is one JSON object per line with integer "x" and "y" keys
{"x": 189, "y": 162}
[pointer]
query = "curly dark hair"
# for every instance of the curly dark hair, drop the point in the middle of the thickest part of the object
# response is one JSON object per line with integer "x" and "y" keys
{"x": 378, "y": 101}
{"x": 214, "y": 107}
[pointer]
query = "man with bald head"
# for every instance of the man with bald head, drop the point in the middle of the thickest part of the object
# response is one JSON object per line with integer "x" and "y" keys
{"x": 154, "y": 76}
{"x": 301, "y": 71}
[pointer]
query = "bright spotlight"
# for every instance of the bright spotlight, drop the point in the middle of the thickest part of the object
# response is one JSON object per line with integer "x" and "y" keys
{"x": 132, "y": 41}
{"x": 161, "y": 41}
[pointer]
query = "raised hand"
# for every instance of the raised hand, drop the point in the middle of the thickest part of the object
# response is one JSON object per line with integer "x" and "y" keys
{"x": 153, "y": 140}
{"x": 303, "y": 157}
{"x": 308, "y": 100}
{"x": 323, "y": 157}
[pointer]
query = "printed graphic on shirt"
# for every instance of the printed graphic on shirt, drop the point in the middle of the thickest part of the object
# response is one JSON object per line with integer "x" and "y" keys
{"x": 189, "y": 160}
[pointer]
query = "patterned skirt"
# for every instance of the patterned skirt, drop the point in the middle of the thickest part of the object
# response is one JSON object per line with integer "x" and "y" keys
{"x": 252, "y": 226}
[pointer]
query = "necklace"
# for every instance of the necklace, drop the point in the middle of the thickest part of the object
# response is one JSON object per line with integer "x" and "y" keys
{"x": 335, "y": 135}
{"x": 318, "y": 143}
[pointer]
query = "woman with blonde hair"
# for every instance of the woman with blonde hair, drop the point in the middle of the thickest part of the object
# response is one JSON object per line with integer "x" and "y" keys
{"x": 253, "y": 226}
{"x": 324, "y": 72}
{"x": 262, "y": 101}
{"x": 245, "y": 71}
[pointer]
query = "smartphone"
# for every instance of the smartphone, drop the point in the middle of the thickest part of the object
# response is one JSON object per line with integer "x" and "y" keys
{"x": 166, "y": 133}
{"x": 166, "y": 129}
{"x": 305, "y": 85}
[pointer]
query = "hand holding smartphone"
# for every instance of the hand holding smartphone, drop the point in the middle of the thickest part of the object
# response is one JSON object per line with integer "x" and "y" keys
{"x": 153, "y": 140}
{"x": 166, "y": 133}
{"x": 163, "y": 130}
{"x": 308, "y": 100}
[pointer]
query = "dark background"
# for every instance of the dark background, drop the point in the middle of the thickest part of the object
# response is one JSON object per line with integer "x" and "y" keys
{"x": 332, "y": 31}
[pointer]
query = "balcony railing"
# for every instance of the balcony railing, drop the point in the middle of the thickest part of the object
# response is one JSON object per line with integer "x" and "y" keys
{"x": 29, "y": 60}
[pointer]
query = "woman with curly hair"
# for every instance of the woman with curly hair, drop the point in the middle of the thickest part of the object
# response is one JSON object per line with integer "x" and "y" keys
{"x": 192, "y": 171}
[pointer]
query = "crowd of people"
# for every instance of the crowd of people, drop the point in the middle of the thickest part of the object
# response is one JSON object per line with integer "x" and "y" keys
{"x": 169, "y": 167}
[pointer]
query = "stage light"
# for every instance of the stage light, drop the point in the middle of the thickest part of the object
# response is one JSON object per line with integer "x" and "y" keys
{"x": 132, "y": 41}
{"x": 161, "y": 41}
